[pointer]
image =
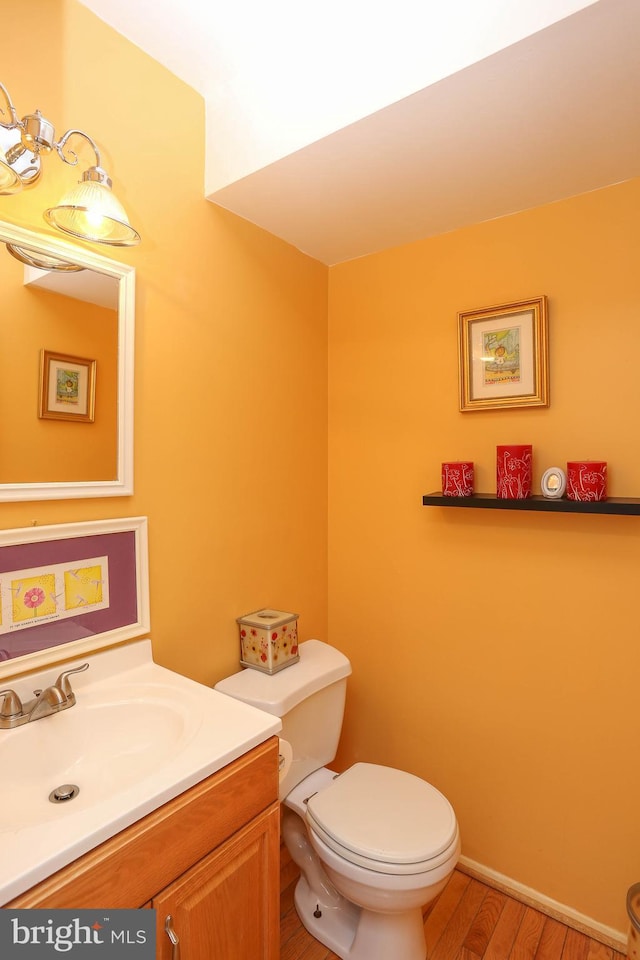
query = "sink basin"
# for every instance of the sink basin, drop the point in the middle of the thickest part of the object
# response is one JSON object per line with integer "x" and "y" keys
{"x": 138, "y": 736}
{"x": 102, "y": 748}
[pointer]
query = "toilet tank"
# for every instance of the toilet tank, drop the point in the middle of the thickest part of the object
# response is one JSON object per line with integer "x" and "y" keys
{"x": 308, "y": 696}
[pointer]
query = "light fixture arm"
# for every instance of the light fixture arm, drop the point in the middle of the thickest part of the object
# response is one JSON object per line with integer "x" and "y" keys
{"x": 39, "y": 133}
{"x": 15, "y": 122}
{"x": 70, "y": 156}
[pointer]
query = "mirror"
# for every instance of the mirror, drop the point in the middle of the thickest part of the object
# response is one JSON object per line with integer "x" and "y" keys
{"x": 66, "y": 390}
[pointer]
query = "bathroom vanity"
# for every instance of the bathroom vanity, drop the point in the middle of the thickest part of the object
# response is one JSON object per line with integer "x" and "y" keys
{"x": 208, "y": 860}
{"x": 131, "y": 786}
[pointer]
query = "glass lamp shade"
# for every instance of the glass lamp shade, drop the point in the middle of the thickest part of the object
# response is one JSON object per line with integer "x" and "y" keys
{"x": 91, "y": 212}
{"x": 41, "y": 261}
{"x": 10, "y": 181}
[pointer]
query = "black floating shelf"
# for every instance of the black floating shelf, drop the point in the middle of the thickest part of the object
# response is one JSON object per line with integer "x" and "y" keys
{"x": 628, "y": 506}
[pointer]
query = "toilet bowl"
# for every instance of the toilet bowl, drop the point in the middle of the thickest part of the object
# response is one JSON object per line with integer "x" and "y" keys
{"x": 374, "y": 844}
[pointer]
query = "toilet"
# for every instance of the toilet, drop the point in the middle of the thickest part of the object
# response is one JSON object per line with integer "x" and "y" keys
{"x": 374, "y": 844}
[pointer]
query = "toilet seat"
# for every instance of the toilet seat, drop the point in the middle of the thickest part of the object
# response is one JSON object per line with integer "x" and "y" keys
{"x": 384, "y": 819}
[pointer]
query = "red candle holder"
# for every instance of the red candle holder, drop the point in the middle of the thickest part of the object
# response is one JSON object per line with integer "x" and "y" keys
{"x": 587, "y": 480}
{"x": 513, "y": 471}
{"x": 457, "y": 478}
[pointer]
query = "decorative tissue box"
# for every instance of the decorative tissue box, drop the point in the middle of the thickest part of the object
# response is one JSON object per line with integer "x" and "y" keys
{"x": 268, "y": 639}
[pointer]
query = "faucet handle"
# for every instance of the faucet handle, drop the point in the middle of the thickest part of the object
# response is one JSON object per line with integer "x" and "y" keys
{"x": 12, "y": 705}
{"x": 63, "y": 685}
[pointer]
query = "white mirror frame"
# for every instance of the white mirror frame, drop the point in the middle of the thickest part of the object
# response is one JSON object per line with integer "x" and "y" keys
{"x": 123, "y": 484}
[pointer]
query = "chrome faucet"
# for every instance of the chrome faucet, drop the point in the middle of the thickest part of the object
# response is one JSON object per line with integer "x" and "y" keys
{"x": 59, "y": 696}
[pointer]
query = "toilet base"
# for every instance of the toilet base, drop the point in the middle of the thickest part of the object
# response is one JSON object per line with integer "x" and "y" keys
{"x": 327, "y": 915}
{"x": 358, "y": 934}
{"x": 334, "y": 926}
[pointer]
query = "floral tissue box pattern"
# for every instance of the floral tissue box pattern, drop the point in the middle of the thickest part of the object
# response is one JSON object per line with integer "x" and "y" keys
{"x": 268, "y": 639}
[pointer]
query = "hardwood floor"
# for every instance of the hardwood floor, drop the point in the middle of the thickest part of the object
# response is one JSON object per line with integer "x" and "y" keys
{"x": 469, "y": 921}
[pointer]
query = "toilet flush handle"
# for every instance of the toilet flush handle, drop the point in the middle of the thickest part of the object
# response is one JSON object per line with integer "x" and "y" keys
{"x": 173, "y": 937}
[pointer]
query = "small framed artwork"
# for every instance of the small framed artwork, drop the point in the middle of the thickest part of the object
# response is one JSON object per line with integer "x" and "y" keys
{"x": 67, "y": 387}
{"x": 503, "y": 356}
{"x": 71, "y": 588}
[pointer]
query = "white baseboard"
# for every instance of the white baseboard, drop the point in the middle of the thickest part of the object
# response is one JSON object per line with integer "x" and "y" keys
{"x": 551, "y": 908}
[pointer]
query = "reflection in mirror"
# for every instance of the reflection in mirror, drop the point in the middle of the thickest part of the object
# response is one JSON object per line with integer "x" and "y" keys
{"x": 80, "y": 310}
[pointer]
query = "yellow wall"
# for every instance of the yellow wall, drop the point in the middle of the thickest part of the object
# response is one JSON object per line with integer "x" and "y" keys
{"x": 231, "y": 350}
{"x": 495, "y": 654}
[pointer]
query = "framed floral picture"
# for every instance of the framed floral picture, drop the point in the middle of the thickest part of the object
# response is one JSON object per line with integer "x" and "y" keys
{"x": 67, "y": 387}
{"x": 503, "y": 356}
{"x": 71, "y": 588}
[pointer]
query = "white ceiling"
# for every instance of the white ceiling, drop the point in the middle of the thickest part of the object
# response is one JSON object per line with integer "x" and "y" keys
{"x": 507, "y": 115}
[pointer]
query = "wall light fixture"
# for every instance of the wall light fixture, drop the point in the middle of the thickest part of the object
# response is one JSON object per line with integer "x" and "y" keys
{"x": 89, "y": 210}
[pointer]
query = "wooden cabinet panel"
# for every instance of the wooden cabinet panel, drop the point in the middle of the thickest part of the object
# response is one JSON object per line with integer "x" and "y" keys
{"x": 227, "y": 906}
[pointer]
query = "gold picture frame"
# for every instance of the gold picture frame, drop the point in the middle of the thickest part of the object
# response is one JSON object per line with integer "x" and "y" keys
{"x": 67, "y": 387}
{"x": 503, "y": 356}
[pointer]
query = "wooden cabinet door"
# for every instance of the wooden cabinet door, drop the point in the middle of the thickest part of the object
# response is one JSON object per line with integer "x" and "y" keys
{"x": 226, "y": 907}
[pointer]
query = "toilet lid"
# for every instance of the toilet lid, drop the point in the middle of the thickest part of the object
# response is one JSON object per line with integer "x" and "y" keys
{"x": 382, "y": 815}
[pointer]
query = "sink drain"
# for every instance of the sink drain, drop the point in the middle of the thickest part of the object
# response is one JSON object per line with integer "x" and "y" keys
{"x": 67, "y": 791}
